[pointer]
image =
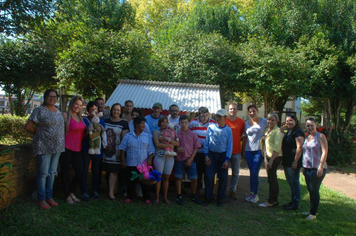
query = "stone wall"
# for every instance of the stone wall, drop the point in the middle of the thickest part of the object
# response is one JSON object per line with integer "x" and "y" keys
{"x": 23, "y": 175}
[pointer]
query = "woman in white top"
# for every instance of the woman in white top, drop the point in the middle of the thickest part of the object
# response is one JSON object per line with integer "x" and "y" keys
{"x": 254, "y": 130}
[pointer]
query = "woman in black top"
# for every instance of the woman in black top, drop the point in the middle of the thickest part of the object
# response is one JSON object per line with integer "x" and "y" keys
{"x": 292, "y": 158}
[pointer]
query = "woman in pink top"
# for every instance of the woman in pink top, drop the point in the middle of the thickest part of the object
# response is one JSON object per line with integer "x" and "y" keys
{"x": 74, "y": 133}
{"x": 315, "y": 152}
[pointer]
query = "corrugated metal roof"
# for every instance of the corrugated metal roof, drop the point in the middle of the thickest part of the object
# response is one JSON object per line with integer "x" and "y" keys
{"x": 189, "y": 97}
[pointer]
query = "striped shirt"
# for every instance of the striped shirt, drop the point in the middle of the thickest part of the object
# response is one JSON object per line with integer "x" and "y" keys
{"x": 201, "y": 130}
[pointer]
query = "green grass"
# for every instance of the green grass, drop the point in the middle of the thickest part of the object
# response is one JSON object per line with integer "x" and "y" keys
{"x": 348, "y": 168}
{"x": 337, "y": 216}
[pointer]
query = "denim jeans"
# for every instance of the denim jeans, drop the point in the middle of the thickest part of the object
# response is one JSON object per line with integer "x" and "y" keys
{"x": 217, "y": 160}
{"x": 235, "y": 166}
{"x": 273, "y": 181}
{"x": 96, "y": 169}
{"x": 292, "y": 177}
{"x": 313, "y": 185}
{"x": 47, "y": 170}
{"x": 254, "y": 161}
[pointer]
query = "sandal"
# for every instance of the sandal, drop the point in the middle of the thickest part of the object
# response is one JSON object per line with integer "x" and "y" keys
{"x": 156, "y": 202}
{"x": 70, "y": 200}
{"x": 52, "y": 202}
{"x": 44, "y": 205}
{"x": 75, "y": 199}
{"x": 167, "y": 202}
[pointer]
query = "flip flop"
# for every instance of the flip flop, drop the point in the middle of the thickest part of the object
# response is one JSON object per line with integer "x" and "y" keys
{"x": 167, "y": 202}
{"x": 156, "y": 202}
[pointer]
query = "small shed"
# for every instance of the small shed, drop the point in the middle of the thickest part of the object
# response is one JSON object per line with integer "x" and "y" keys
{"x": 189, "y": 97}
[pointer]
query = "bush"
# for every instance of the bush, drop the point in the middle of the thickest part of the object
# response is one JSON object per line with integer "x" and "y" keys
{"x": 341, "y": 153}
{"x": 12, "y": 130}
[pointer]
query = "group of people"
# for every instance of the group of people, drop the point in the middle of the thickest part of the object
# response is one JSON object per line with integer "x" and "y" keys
{"x": 173, "y": 144}
{"x": 288, "y": 146}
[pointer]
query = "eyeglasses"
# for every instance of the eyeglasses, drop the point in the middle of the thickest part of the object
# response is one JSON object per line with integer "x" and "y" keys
{"x": 174, "y": 111}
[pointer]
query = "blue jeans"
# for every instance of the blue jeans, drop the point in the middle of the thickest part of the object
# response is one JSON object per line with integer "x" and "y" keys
{"x": 313, "y": 185}
{"x": 217, "y": 160}
{"x": 254, "y": 161}
{"x": 235, "y": 167}
{"x": 96, "y": 166}
{"x": 292, "y": 177}
{"x": 47, "y": 170}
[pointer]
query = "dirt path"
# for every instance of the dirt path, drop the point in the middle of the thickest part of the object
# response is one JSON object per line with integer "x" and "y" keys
{"x": 334, "y": 179}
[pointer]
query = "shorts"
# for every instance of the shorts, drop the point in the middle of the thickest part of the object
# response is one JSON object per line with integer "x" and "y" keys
{"x": 179, "y": 168}
{"x": 163, "y": 164}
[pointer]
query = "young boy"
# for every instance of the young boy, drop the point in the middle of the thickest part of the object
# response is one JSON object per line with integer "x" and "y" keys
{"x": 184, "y": 161}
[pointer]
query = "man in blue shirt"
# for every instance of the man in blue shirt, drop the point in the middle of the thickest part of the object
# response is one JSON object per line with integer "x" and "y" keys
{"x": 218, "y": 151}
{"x": 152, "y": 119}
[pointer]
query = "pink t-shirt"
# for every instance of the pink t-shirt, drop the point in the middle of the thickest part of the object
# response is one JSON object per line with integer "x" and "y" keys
{"x": 189, "y": 141}
{"x": 74, "y": 136}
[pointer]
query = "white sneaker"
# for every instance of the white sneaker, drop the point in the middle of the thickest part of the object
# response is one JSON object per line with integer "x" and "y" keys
{"x": 311, "y": 217}
{"x": 254, "y": 198}
{"x": 248, "y": 198}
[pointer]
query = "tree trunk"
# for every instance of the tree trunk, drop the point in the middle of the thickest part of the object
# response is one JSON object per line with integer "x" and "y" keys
{"x": 336, "y": 115}
{"x": 279, "y": 106}
{"x": 11, "y": 103}
{"x": 327, "y": 116}
{"x": 349, "y": 112}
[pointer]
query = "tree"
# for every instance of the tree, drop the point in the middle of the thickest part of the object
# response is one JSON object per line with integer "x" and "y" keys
{"x": 96, "y": 63}
{"x": 194, "y": 57}
{"x": 22, "y": 16}
{"x": 271, "y": 74}
{"x": 26, "y": 66}
{"x": 282, "y": 22}
{"x": 224, "y": 19}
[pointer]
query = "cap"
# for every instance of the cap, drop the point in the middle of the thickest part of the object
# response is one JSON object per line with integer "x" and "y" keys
{"x": 222, "y": 112}
{"x": 157, "y": 104}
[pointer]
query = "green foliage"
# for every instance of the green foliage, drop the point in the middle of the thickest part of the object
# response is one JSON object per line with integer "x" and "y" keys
{"x": 22, "y": 16}
{"x": 96, "y": 62}
{"x": 12, "y": 130}
{"x": 271, "y": 74}
{"x": 193, "y": 57}
{"x": 110, "y": 15}
{"x": 341, "y": 153}
{"x": 222, "y": 19}
{"x": 26, "y": 66}
{"x": 283, "y": 22}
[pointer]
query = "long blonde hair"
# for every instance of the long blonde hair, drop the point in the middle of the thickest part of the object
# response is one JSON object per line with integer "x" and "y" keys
{"x": 69, "y": 110}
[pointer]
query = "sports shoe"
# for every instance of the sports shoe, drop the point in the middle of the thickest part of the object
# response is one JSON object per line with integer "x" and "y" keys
{"x": 96, "y": 195}
{"x": 292, "y": 207}
{"x": 207, "y": 202}
{"x": 196, "y": 199}
{"x": 180, "y": 200}
{"x": 311, "y": 217}
{"x": 285, "y": 206}
{"x": 233, "y": 194}
{"x": 254, "y": 198}
{"x": 249, "y": 196}
{"x": 85, "y": 197}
